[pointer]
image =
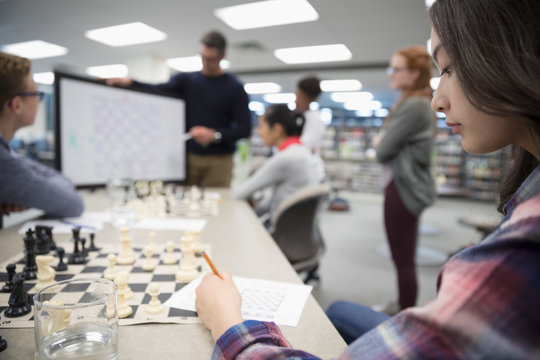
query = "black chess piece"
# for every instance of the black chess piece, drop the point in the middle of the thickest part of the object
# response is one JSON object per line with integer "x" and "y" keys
{"x": 84, "y": 251}
{"x": 3, "y": 343}
{"x": 61, "y": 266}
{"x": 42, "y": 241}
{"x": 9, "y": 286}
{"x": 76, "y": 257}
{"x": 48, "y": 231}
{"x": 30, "y": 269}
{"x": 19, "y": 301}
{"x": 92, "y": 246}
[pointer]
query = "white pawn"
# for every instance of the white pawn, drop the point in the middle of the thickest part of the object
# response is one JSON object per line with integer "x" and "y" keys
{"x": 129, "y": 292}
{"x": 126, "y": 255}
{"x": 187, "y": 270}
{"x": 45, "y": 273}
{"x": 110, "y": 272}
{"x": 149, "y": 264}
{"x": 152, "y": 244}
{"x": 197, "y": 244}
{"x": 170, "y": 258}
{"x": 154, "y": 306}
{"x": 124, "y": 310}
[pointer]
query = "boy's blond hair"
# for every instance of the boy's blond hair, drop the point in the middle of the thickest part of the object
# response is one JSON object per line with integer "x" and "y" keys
{"x": 13, "y": 70}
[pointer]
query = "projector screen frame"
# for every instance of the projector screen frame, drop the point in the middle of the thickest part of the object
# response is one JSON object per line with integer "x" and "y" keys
{"x": 58, "y": 76}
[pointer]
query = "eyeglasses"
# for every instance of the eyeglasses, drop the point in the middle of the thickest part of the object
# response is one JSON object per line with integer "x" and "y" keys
{"x": 40, "y": 94}
{"x": 392, "y": 70}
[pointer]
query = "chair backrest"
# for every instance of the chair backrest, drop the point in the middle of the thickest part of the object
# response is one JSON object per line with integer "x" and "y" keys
{"x": 295, "y": 226}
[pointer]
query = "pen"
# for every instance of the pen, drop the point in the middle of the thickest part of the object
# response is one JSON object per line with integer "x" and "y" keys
{"x": 209, "y": 261}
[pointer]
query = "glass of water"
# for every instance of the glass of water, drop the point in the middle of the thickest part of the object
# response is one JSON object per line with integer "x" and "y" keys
{"x": 77, "y": 319}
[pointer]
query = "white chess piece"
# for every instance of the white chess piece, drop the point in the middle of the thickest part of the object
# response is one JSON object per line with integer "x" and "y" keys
{"x": 197, "y": 244}
{"x": 126, "y": 255}
{"x": 57, "y": 319}
{"x": 170, "y": 258}
{"x": 149, "y": 264}
{"x": 45, "y": 273}
{"x": 152, "y": 241}
{"x": 187, "y": 270}
{"x": 110, "y": 272}
{"x": 154, "y": 306}
{"x": 124, "y": 310}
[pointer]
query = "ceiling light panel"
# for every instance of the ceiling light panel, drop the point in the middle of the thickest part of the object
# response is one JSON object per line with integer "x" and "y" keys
{"x": 46, "y": 78}
{"x": 262, "y": 88}
{"x": 267, "y": 13}
{"x": 341, "y": 85}
{"x": 314, "y": 54}
{"x": 108, "y": 71}
{"x": 126, "y": 34}
{"x": 280, "y": 98}
{"x": 35, "y": 49}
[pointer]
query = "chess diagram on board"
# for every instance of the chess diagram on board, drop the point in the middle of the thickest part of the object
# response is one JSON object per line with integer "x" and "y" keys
{"x": 146, "y": 276}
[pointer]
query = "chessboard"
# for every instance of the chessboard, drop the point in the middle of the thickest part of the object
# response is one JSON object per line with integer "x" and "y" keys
{"x": 139, "y": 281}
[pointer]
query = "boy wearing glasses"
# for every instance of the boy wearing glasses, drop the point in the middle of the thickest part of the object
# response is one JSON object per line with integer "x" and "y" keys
{"x": 25, "y": 183}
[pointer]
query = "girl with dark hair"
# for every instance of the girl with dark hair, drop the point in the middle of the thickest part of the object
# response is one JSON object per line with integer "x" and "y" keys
{"x": 288, "y": 170}
{"x": 488, "y": 54}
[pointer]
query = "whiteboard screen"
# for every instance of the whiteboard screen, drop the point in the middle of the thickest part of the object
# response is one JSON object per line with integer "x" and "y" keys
{"x": 105, "y": 132}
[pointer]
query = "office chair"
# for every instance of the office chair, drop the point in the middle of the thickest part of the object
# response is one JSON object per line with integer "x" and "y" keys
{"x": 295, "y": 228}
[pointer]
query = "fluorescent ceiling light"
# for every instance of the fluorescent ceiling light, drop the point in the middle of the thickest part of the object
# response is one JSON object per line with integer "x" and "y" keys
{"x": 108, "y": 71}
{"x": 266, "y": 13}
{"x": 262, "y": 88}
{"x": 186, "y": 64}
{"x": 126, "y": 34}
{"x": 46, "y": 78}
{"x": 192, "y": 63}
{"x": 341, "y": 85}
{"x": 257, "y": 107}
{"x": 364, "y": 113}
{"x": 358, "y": 96}
{"x": 280, "y": 98}
{"x": 35, "y": 49}
{"x": 313, "y": 54}
{"x": 326, "y": 115}
{"x": 382, "y": 112}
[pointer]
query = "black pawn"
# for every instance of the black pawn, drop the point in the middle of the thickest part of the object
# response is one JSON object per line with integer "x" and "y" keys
{"x": 42, "y": 241}
{"x": 62, "y": 266}
{"x": 76, "y": 257}
{"x": 9, "y": 286}
{"x": 92, "y": 246}
{"x": 30, "y": 269}
{"x": 19, "y": 302}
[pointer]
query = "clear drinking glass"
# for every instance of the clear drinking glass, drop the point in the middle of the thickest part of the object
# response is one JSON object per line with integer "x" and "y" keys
{"x": 77, "y": 319}
{"x": 120, "y": 191}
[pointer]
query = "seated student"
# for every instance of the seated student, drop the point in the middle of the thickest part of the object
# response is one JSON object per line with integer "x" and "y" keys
{"x": 25, "y": 183}
{"x": 488, "y": 294}
{"x": 289, "y": 169}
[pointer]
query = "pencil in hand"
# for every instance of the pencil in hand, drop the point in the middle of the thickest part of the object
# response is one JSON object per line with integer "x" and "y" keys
{"x": 211, "y": 264}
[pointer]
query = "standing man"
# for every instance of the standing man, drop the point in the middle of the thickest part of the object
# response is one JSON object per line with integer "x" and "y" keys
{"x": 25, "y": 183}
{"x": 307, "y": 91}
{"x": 217, "y": 113}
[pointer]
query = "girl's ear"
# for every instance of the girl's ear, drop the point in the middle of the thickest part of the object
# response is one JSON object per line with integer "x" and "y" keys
{"x": 279, "y": 129}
